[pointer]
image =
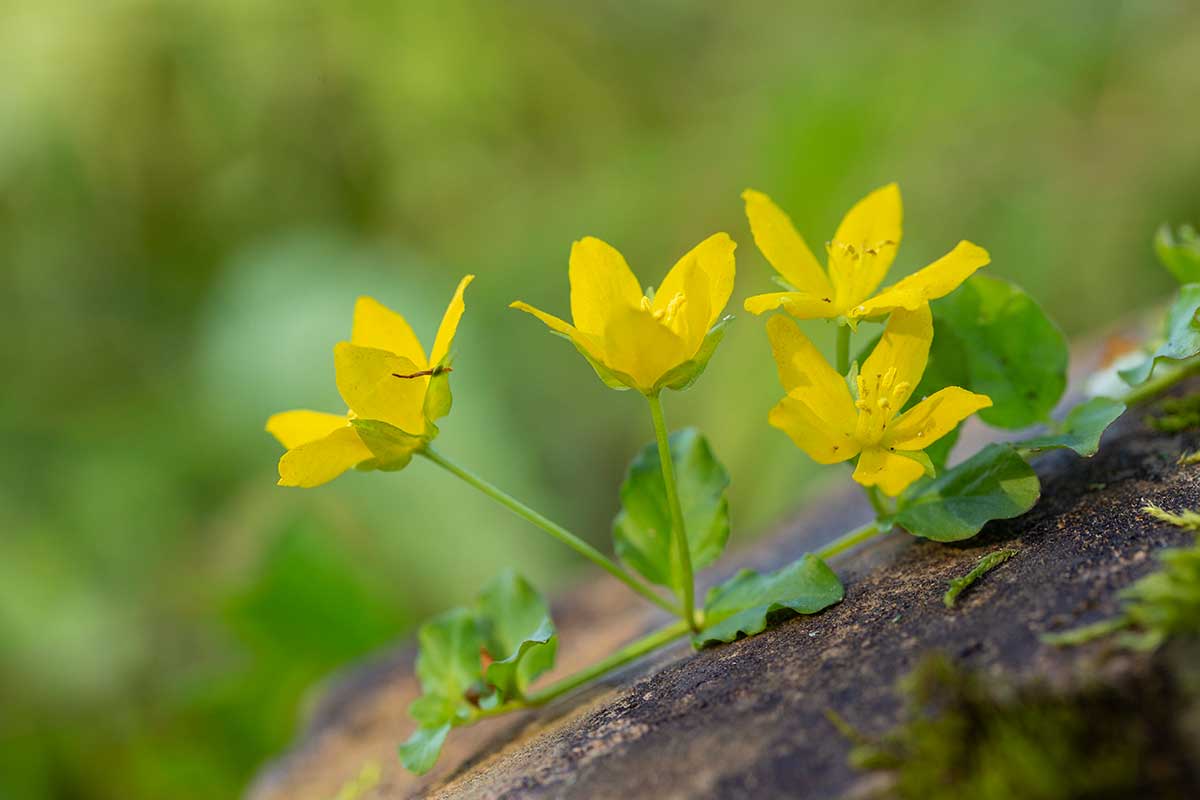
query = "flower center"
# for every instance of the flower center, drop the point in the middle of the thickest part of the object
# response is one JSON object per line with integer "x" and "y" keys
{"x": 666, "y": 315}
{"x": 879, "y": 398}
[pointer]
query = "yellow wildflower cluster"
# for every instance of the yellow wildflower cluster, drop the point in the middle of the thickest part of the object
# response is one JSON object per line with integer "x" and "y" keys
{"x": 650, "y": 340}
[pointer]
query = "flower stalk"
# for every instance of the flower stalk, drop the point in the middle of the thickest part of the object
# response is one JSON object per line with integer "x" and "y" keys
{"x": 678, "y": 528}
{"x": 555, "y": 530}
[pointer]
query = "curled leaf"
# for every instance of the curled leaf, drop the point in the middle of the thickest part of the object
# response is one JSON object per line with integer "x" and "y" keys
{"x": 995, "y": 483}
{"x": 745, "y": 604}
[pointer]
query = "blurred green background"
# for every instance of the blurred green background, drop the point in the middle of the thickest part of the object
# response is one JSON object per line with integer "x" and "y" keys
{"x": 192, "y": 194}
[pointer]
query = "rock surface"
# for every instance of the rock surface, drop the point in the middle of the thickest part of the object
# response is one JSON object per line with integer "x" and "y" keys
{"x": 748, "y": 719}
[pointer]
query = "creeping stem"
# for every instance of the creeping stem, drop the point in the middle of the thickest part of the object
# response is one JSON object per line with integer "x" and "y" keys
{"x": 557, "y": 531}
{"x": 682, "y": 550}
{"x": 630, "y": 652}
{"x": 1165, "y": 380}
{"x": 843, "y": 349}
{"x": 852, "y": 539}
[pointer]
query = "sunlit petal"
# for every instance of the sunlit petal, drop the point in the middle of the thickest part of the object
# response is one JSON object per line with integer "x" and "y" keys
{"x": 322, "y": 460}
{"x": 712, "y": 267}
{"x": 890, "y": 472}
{"x": 798, "y": 304}
{"x": 450, "y": 320}
{"x": 932, "y": 418}
{"x": 641, "y": 347}
{"x": 601, "y": 283}
{"x": 936, "y": 280}
{"x": 896, "y": 365}
{"x": 865, "y": 244}
{"x": 811, "y": 432}
{"x": 806, "y": 375}
{"x": 376, "y": 325}
{"x": 294, "y": 428}
{"x": 366, "y": 379}
{"x": 783, "y": 247}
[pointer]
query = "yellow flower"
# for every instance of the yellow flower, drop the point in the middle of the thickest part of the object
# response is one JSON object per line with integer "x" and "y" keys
{"x": 825, "y": 421}
{"x": 860, "y": 254}
{"x": 645, "y": 340}
{"x": 393, "y": 391}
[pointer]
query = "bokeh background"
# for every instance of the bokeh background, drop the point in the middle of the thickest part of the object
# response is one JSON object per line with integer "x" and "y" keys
{"x": 192, "y": 194}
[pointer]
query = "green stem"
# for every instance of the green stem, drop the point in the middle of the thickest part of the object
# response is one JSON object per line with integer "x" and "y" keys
{"x": 557, "y": 531}
{"x": 853, "y": 538}
{"x": 843, "y": 349}
{"x": 1155, "y": 386}
{"x": 877, "y": 502}
{"x": 630, "y": 652}
{"x": 682, "y": 549}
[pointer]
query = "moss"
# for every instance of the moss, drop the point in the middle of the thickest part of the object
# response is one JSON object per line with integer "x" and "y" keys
{"x": 970, "y": 737}
{"x": 1163, "y": 604}
{"x": 1178, "y": 414}
{"x": 985, "y": 565}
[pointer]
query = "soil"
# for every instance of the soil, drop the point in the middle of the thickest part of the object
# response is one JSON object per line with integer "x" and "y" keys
{"x": 748, "y": 719}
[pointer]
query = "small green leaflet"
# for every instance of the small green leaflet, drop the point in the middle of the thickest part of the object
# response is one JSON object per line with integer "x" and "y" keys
{"x": 992, "y": 338}
{"x": 745, "y": 604}
{"x": 1179, "y": 252}
{"x": 518, "y": 633}
{"x": 995, "y": 483}
{"x": 642, "y": 529}
{"x": 509, "y": 623}
{"x": 421, "y": 751}
{"x": 690, "y": 371}
{"x": 1081, "y": 429}
{"x": 1182, "y": 339}
{"x": 448, "y": 666}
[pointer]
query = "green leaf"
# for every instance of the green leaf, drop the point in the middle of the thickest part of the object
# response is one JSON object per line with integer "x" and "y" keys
{"x": 421, "y": 751}
{"x": 642, "y": 529}
{"x": 392, "y": 447}
{"x": 517, "y": 632}
{"x": 690, "y": 371}
{"x": 1182, "y": 336}
{"x": 448, "y": 666}
{"x": 995, "y": 483}
{"x": 744, "y": 604}
{"x": 1179, "y": 252}
{"x": 1081, "y": 429}
{"x": 992, "y": 338}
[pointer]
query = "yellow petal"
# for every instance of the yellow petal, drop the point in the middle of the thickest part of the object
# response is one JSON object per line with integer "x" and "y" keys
{"x": 601, "y": 283}
{"x": 294, "y": 428}
{"x": 643, "y": 348}
{"x": 376, "y": 325}
{"x": 936, "y": 280}
{"x": 783, "y": 247}
{"x": 807, "y": 376}
{"x": 589, "y": 343}
{"x": 798, "y": 304}
{"x": 932, "y": 418}
{"x": 682, "y": 304}
{"x": 890, "y": 472}
{"x": 322, "y": 460}
{"x": 865, "y": 244}
{"x": 812, "y": 433}
{"x": 712, "y": 265}
{"x": 903, "y": 347}
{"x": 445, "y": 334}
{"x": 366, "y": 379}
